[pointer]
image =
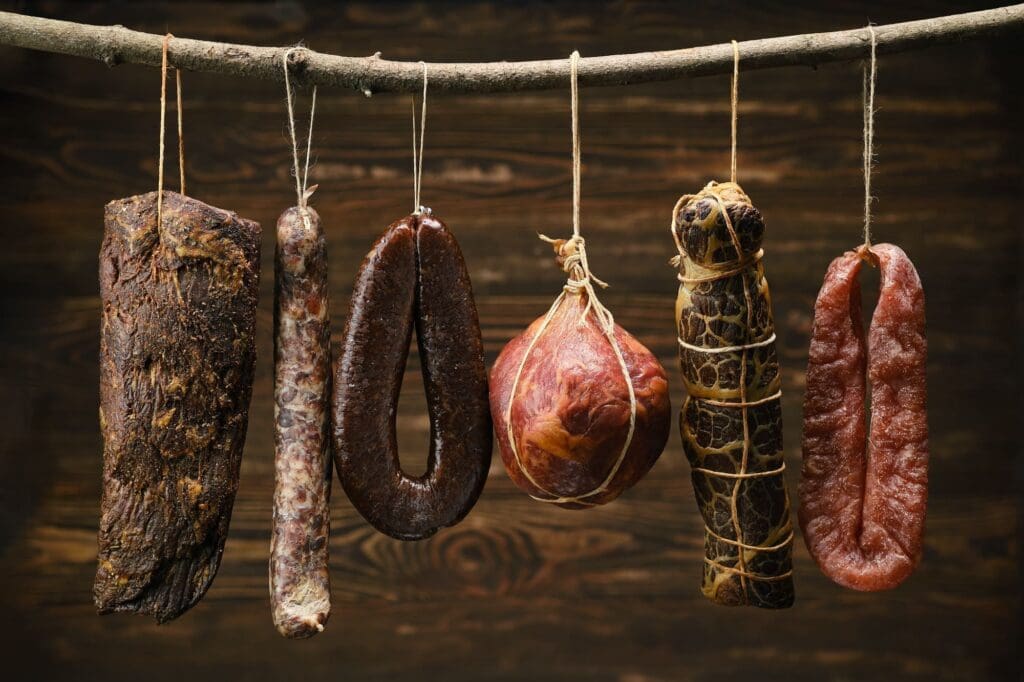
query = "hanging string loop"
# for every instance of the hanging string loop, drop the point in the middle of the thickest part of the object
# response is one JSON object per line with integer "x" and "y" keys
{"x": 302, "y": 190}
{"x": 870, "y": 74}
{"x": 163, "y": 125}
{"x": 735, "y": 105}
{"x": 417, "y": 157}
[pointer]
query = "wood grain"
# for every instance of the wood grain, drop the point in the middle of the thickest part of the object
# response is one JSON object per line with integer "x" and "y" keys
{"x": 520, "y": 590}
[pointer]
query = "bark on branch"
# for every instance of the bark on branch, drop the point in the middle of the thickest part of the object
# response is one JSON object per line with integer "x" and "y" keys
{"x": 116, "y": 44}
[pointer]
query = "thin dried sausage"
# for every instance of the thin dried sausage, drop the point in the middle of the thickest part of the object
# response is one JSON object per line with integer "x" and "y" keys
{"x": 300, "y": 593}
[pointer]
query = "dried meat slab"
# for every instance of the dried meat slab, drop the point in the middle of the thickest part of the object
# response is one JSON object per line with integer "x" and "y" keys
{"x": 176, "y": 370}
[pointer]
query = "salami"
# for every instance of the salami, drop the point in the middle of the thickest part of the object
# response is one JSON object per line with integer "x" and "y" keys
{"x": 731, "y": 420}
{"x": 863, "y": 503}
{"x": 300, "y": 593}
{"x": 414, "y": 274}
{"x": 176, "y": 371}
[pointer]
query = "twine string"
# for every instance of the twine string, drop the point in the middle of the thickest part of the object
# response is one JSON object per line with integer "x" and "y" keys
{"x": 302, "y": 191}
{"x": 735, "y": 104}
{"x": 163, "y": 125}
{"x": 870, "y": 73}
{"x": 163, "y": 119}
{"x": 572, "y": 254}
{"x": 417, "y": 157}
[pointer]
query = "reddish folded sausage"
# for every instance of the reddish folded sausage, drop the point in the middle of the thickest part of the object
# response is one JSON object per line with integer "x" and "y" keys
{"x": 863, "y": 504}
{"x": 414, "y": 274}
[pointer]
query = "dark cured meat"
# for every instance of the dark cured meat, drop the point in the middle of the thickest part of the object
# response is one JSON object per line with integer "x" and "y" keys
{"x": 300, "y": 590}
{"x": 415, "y": 272}
{"x": 731, "y": 421}
{"x": 862, "y": 512}
{"x": 176, "y": 371}
{"x": 571, "y": 410}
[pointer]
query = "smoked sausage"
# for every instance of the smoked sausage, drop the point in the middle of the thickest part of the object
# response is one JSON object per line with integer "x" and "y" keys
{"x": 413, "y": 276}
{"x": 863, "y": 502}
{"x": 300, "y": 593}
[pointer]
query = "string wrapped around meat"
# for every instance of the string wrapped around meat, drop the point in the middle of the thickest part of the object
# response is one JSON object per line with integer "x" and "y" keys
{"x": 731, "y": 420}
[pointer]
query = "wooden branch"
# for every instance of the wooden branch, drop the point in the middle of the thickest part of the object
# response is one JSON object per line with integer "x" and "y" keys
{"x": 116, "y": 44}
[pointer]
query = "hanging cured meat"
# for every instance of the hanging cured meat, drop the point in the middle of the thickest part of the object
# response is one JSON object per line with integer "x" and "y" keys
{"x": 863, "y": 499}
{"x": 176, "y": 371}
{"x": 731, "y": 421}
{"x": 300, "y": 592}
{"x": 414, "y": 274}
{"x": 579, "y": 420}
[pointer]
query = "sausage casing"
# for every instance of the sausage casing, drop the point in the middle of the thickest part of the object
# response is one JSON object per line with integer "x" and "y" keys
{"x": 863, "y": 503}
{"x": 413, "y": 276}
{"x": 299, "y": 582}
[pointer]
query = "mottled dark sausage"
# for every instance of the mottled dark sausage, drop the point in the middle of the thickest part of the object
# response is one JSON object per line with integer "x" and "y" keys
{"x": 862, "y": 505}
{"x": 414, "y": 274}
{"x": 300, "y": 592}
{"x": 176, "y": 368}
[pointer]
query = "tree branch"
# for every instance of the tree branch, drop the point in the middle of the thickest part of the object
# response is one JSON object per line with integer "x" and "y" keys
{"x": 116, "y": 44}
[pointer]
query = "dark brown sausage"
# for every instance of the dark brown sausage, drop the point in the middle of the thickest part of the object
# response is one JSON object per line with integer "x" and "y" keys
{"x": 176, "y": 367}
{"x": 300, "y": 591}
{"x": 414, "y": 273}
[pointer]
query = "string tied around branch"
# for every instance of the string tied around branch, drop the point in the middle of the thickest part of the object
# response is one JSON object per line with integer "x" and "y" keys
{"x": 163, "y": 125}
{"x": 417, "y": 157}
{"x": 302, "y": 190}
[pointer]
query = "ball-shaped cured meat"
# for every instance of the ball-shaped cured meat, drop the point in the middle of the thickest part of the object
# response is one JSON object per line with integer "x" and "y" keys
{"x": 570, "y": 414}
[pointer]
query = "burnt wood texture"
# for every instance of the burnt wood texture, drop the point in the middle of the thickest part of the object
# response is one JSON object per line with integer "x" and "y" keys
{"x": 521, "y": 590}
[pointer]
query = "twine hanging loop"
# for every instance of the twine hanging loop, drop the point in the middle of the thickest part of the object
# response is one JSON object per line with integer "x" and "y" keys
{"x": 302, "y": 190}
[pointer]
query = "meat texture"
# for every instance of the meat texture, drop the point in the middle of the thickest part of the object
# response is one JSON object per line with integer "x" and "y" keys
{"x": 863, "y": 502}
{"x": 176, "y": 371}
{"x": 731, "y": 421}
{"x": 571, "y": 407}
{"x": 300, "y": 592}
{"x": 413, "y": 275}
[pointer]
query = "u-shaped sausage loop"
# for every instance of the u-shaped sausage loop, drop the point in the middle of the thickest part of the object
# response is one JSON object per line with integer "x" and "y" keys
{"x": 413, "y": 276}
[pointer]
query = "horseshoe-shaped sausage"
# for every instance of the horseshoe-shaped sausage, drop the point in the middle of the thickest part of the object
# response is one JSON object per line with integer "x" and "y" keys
{"x": 414, "y": 272}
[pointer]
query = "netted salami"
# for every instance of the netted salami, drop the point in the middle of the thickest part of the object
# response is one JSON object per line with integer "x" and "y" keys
{"x": 731, "y": 421}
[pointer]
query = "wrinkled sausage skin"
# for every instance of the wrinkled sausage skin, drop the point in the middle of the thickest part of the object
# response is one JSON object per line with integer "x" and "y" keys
{"x": 863, "y": 503}
{"x": 299, "y": 582}
{"x": 414, "y": 275}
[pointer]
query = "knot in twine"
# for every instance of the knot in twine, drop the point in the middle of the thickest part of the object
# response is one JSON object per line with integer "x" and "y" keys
{"x": 572, "y": 256}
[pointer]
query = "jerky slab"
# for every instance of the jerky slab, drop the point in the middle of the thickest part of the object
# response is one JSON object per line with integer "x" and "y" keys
{"x": 731, "y": 421}
{"x": 176, "y": 371}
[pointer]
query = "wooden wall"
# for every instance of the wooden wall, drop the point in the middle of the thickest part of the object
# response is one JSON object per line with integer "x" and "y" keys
{"x": 520, "y": 590}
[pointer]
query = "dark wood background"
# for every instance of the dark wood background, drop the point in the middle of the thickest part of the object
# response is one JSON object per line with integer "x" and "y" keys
{"x": 520, "y": 590}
